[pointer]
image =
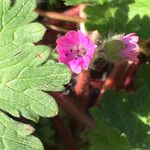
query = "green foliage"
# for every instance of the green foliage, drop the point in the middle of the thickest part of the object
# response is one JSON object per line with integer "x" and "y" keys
{"x": 44, "y": 131}
{"x": 16, "y": 136}
{"x": 76, "y": 2}
{"x": 51, "y": 2}
{"x": 120, "y": 16}
{"x": 25, "y": 73}
{"x": 124, "y": 119}
{"x": 54, "y": 5}
{"x": 129, "y": 115}
{"x": 105, "y": 137}
{"x": 143, "y": 78}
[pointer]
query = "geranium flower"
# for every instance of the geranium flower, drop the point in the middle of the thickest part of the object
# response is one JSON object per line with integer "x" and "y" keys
{"x": 121, "y": 47}
{"x": 75, "y": 50}
{"x": 131, "y": 48}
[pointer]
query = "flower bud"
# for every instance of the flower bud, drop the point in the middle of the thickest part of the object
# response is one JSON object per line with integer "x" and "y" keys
{"x": 121, "y": 47}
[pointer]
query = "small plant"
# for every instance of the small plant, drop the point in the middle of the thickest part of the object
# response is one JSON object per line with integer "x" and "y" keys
{"x": 74, "y": 75}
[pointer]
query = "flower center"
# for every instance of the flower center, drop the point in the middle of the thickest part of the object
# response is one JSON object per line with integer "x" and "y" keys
{"x": 78, "y": 51}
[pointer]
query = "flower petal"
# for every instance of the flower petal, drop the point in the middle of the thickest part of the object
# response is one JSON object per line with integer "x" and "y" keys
{"x": 131, "y": 49}
{"x": 75, "y": 50}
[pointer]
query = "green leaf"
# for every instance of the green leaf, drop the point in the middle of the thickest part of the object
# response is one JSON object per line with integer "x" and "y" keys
{"x": 105, "y": 137}
{"x": 130, "y": 114}
{"x": 24, "y": 71}
{"x": 51, "y": 2}
{"x": 143, "y": 78}
{"x": 76, "y": 2}
{"x": 45, "y": 131}
{"x": 16, "y": 136}
{"x": 120, "y": 16}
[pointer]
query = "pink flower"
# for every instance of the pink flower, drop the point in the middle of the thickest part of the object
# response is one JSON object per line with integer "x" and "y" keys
{"x": 131, "y": 48}
{"x": 75, "y": 50}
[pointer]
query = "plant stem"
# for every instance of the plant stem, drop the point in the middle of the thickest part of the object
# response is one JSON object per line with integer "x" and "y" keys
{"x": 82, "y": 89}
{"x": 58, "y": 29}
{"x": 64, "y": 133}
{"x": 115, "y": 80}
{"x": 72, "y": 11}
{"x": 129, "y": 75}
{"x": 68, "y": 106}
{"x": 59, "y": 16}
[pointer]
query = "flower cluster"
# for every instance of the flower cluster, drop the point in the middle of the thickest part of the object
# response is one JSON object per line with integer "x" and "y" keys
{"x": 77, "y": 50}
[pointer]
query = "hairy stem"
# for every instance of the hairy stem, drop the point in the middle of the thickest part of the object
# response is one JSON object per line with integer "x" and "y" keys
{"x": 82, "y": 89}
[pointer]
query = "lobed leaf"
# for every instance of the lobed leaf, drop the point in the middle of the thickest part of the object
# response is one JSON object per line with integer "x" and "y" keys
{"x": 16, "y": 136}
{"x": 106, "y": 137}
{"x": 120, "y": 16}
{"x": 130, "y": 114}
{"x": 24, "y": 72}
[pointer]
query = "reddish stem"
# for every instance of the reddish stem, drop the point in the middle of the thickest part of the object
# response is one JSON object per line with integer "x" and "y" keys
{"x": 82, "y": 89}
{"x": 72, "y": 11}
{"x": 115, "y": 79}
{"x": 59, "y": 16}
{"x": 130, "y": 73}
{"x": 68, "y": 106}
{"x": 96, "y": 83}
{"x": 64, "y": 133}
